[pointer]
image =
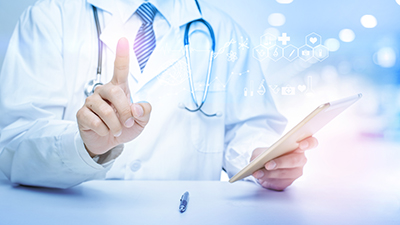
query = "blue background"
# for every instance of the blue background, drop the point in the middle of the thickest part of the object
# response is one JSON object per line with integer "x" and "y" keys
{"x": 349, "y": 70}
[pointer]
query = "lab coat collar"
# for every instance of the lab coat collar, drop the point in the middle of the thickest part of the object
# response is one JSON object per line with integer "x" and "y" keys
{"x": 170, "y": 49}
{"x": 105, "y": 5}
{"x": 187, "y": 9}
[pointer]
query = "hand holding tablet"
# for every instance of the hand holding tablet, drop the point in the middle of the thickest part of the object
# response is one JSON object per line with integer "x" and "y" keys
{"x": 290, "y": 141}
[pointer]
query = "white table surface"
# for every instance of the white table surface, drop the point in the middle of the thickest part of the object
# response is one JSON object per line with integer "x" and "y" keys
{"x": 211, "y": 202}
{"x": 359, "y": 184}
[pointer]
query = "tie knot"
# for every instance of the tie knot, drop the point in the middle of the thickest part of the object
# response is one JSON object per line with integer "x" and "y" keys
{"x": 147, "y": 12}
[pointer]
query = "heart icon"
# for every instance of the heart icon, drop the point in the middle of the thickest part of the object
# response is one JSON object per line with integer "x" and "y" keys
{"x": 301, "y": 88}
{"x": 313, "y": 40}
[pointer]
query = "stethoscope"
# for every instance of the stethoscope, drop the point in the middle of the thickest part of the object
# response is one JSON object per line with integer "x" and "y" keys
{"x": 92, "y": 84}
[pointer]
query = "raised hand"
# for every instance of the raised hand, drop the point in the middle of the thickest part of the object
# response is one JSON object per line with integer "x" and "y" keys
{"x": 108, "y": 118}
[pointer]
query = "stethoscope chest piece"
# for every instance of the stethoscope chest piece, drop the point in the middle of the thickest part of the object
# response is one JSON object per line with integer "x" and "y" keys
{"x": 91, "y": 86}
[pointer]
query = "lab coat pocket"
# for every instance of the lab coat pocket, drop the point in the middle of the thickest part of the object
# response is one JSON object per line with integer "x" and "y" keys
{"x": 207, "y": 133}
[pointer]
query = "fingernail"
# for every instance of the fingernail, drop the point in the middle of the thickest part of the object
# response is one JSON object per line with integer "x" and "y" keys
{"x": 118, "y": 134}
{"x": 259, "y": 174}
{"x": 271, "y": 165}
{"x": 304, "y": 144}
{"x": 129, "y": 122}
{"x": 138, "y": 110}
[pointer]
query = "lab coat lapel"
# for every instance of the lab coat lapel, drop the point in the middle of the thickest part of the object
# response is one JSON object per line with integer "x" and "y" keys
{"x": 108, "y": 6}
{"x": 169, "y": 51}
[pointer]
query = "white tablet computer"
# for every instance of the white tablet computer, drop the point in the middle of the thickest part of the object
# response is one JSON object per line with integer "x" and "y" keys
{"x": 306, "y": 128}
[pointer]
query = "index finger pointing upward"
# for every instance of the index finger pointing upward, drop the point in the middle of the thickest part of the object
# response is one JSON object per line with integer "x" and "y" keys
{"x": 121, "y": 64}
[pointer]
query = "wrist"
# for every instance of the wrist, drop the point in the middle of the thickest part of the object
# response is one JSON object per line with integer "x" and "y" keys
{"x": 90, "y": 153}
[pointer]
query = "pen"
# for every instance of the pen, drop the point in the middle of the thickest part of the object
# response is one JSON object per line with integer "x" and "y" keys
{"x": 183, "y": 202}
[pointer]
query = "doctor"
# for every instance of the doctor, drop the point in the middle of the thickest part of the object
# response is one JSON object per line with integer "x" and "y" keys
{"x": 52, "y": 135}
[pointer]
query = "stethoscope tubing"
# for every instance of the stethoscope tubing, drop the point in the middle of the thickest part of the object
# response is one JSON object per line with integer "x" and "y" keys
{"x": 209, "y": 69}
{"x": 91, "y": 85}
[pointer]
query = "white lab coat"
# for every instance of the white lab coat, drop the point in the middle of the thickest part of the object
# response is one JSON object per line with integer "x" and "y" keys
{"x": 53, "y": 54}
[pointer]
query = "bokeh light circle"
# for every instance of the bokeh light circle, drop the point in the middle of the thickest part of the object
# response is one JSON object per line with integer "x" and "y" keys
{"x": 369, "y": 21}
{"x": 385, "y": 57}
{"x": 276, "y": 19}
{"x": 347, "y": 35}
{"x": 332, "y": 44}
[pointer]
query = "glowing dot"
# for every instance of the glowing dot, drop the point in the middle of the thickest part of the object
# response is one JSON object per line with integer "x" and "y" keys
{"x": 290, "y": 1}
{"x": 276, "y": 19}
{"x": 385, "y": 57}
{"x": 398, "y": 2}
{"x": 368, "y": 21}
{"x": 347, "y": 35}
{"x": 332, "y": 44}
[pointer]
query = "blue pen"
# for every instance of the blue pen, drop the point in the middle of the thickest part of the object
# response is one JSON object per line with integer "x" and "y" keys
{"x": 183, "y": 202}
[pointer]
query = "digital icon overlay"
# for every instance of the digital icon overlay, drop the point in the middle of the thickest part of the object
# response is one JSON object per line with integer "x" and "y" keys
{"x": 276, "y": 48}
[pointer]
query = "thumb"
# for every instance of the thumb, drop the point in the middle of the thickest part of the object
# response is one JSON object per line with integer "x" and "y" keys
{"x": 141, "y": 112}
{"x": 121, "y": 64}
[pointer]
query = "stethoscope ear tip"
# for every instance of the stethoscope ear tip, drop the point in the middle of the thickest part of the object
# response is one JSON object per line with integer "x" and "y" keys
{"x": 218, "y": 114}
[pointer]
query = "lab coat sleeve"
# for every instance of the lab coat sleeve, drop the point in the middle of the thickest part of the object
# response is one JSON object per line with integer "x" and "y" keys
{"x": 38, "y": 147}
{"x": 252, "y": 119}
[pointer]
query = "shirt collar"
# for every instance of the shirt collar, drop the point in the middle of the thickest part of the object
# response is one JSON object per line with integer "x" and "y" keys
{"x": 187, "y": 9}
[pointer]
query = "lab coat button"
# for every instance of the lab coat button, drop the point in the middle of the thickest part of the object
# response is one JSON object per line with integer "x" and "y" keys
{"x": 135, "y": 165}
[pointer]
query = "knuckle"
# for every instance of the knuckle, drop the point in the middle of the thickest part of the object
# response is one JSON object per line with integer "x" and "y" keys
{"x": 300, "y": 173}
{"x": 98, "y": 89}
{"x": 90, "y": 101}
{"x": 107, "y": 111}
{"x": 315, "y": 142}
{"x": 294, "y": 160}
{"x": 265, "y": 184}
{"x": 96, "y": 123}
{"x": 82, "y": 114}
{"x": 289, "y": 183}
{"x": 115, "y": 90}
{"x": 79, "y": 114}
{"x": 104, "y": 133}
{"x": 298, "y": 159}
{"x": 304, "y": 160}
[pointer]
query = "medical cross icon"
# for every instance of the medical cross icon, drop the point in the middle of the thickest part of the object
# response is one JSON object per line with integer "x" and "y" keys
{"x": 284, "y": 39}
